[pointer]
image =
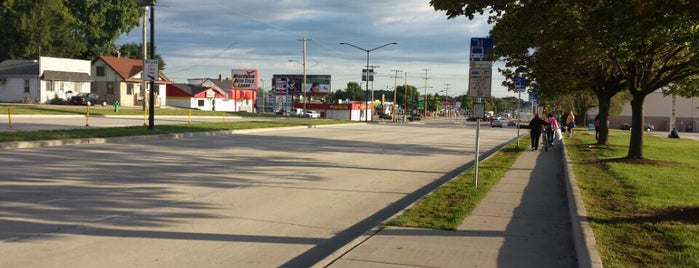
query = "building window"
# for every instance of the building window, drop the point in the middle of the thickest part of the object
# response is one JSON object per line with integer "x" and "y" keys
{"x": 110, "y": 87}
{"x": 26, "y": 86}
{"x": 100, "y": 71}
{"x": 49, "y": 86}
{"x": 200, "y": 103}
{"x": 129, "y": 89}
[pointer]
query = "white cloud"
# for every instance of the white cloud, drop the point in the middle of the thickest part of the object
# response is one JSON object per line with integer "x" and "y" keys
{"x": 209, "y": 37}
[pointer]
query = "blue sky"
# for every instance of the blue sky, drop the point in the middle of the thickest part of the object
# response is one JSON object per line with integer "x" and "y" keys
{"x": 206, "y": 38}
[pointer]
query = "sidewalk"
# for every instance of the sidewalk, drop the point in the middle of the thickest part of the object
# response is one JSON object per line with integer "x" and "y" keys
{"x": 524, "y": 221}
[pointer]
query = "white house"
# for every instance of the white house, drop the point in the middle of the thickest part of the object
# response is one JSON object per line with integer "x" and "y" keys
{"x": 119, "y": 79}
{"x": 43, "y": 80}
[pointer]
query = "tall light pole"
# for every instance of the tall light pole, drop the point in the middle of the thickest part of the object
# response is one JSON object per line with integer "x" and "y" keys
{"x": 366, "y": 95}
{"x": 304, "y": 40}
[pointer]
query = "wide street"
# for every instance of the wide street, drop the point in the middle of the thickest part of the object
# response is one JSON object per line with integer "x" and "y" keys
{"x": 264, "y": 198}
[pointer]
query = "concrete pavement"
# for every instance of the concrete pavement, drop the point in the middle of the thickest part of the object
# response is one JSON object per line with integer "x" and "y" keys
{"x": 532, "y": 218}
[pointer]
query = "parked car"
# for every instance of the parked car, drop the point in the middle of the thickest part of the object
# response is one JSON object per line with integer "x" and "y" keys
{"x": 498, "y": 122}
{"x": 415, "y": 117}
{"x": 312, "y": 114}
{"x": 512, "y": 123}
{"x": 296, "y": 112}
{"x": 648, "y": 127}
{"x": 625, "y": 126}
{"x": 88, "y": 99}
{"x": 385, "y": 116}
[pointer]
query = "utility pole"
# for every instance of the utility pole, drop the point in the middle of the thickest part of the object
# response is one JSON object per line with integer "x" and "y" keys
{"x": 145, "y": 56}
{"x": 303, "y": 86}
{"x": 395, "y": 88}
{"x": 446, "y": 97}
{"x": 424, "y": 111}
{"x": 405, "y": 95}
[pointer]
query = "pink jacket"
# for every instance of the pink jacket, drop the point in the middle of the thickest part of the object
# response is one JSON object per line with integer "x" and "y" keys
{"x": 552, "y": 122}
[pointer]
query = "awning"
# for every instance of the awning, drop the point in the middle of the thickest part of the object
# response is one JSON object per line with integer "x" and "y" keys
{"x": 66, "y": 76}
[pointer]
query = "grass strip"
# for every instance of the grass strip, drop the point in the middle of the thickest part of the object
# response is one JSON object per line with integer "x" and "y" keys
{"x": 448, "y": 206}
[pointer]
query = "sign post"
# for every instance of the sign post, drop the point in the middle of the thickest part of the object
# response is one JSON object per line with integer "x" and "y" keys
{"x": 479, "y": 86}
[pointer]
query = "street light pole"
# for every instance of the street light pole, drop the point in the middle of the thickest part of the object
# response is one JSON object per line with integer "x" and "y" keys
{"x": 304, "y": 40}
{"x": 366, "y": 94}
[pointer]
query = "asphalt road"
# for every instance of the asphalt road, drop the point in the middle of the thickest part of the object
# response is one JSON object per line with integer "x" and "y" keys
{"x": 267, "y": 198}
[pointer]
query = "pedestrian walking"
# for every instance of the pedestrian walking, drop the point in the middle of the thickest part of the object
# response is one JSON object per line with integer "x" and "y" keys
{"x": 535, "y": 127}
{"x": 570, "y": 122}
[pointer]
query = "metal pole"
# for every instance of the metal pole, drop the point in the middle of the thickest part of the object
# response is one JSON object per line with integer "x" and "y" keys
{"x": 366, "y": 97}
{"x": 145, "y": 56}
{"x": 519, "y": 108}
{"x": 151, "y": 101}
{"x": 405, "y": 96}
{"x": 304, "y": 40}
{"x": 366, "y": 94}
{"x": 395, "y": 88}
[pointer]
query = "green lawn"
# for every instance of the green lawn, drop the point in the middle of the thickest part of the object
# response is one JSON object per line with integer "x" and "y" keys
{"x": 643, "y": 213}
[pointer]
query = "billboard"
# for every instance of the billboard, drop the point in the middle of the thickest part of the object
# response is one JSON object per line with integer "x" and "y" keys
{"x": 244, "y": 79}
{"x": 283, "y": 84}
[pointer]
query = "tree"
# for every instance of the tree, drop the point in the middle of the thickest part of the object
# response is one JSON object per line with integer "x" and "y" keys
{"x": 81, "y": 29}
{"x": 353, "y": 92}
{"x": 135, "y": 51}
{"x": 647, "y": 45}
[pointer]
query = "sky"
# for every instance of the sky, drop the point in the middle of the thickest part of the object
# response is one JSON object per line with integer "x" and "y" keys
{"x": 205, "y": 38}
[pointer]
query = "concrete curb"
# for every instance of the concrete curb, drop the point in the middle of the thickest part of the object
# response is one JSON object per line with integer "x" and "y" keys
{"x": 583, "y": 237}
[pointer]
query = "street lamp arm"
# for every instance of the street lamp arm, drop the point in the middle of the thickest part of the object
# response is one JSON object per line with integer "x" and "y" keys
{"x": 362, "y": 49}
{"x": 369, "y": 50}
{"x": 393, "y": 43}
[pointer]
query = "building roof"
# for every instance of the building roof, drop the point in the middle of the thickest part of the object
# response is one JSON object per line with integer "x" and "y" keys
{"x": 127, "y": 68}
{"x": 188, "y": 90}
{"x": 19, "y": 67}
{"x": 66, "y": 76}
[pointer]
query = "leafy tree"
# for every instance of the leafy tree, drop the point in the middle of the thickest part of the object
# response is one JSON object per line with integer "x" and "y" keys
{"x": 609, "y": 46}
{"x": 135, "y": 51}
{"x": 410, "y": 99}
{"x": 81, "y": 29}
{"x": 353, "y": 92}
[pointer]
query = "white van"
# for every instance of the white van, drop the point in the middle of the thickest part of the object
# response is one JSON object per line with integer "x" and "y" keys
{"x": 296, "y": 112}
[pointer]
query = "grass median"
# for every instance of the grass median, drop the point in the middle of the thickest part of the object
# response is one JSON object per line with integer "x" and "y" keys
{"x": 448, "y": 206}
{"x": 644, "y": 213}
{"x": 142, "y": 130}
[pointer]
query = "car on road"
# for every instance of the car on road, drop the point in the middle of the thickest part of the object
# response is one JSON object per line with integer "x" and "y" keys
{"x": 625, "y": 126}
{"x": 385, "y": 116}
{"x": 88, "y": 99}
{"x": 498, "y": 122}
{"x": 312, "y": 114}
